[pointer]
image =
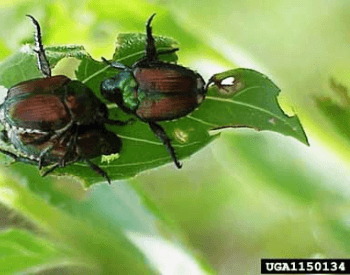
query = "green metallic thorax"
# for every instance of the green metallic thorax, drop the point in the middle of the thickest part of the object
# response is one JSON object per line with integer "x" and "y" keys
{"x": 128, "y": 85}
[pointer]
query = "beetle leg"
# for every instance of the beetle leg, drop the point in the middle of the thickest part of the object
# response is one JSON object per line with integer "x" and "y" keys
{"x": 71, "y": 145}
{"x": 98, "y": 170}
{"x": 42, "y": 154}
{"x": 160, "y": 133}
{"x": 17, "y": 158}
{"x": 119, "y": 122}
{"x": 56, "y": 138}
{"x": 51, "y": 169}
{"x": 12, "y": 155}
{"x": 43, "y": 62}
{"x": 93, "y": 166}
{"x": 167, "y": 51}
{"x": 42, "y": 139}
{"x": 151, "y": 51}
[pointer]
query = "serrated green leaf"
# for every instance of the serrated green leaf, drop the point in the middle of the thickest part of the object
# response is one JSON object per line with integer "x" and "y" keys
{"x": 131, "y": 47}
{"x": 57, "y": 53}
{"x": 23, "y": 65}
{"x": 15, "y": 68}
{"x": 141, "y": 149}
{"x": 251, "y": 101}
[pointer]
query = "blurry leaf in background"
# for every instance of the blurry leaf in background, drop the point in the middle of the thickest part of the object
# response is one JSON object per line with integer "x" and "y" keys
{"x": 108, "y": 232}
{"x": 337, "y": 109}
{"x": 21, "y": 250}
{"x": 298, "y": 45}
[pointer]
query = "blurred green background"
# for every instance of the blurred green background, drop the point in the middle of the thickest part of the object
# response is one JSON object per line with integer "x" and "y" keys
{"x": 248, "y": 195}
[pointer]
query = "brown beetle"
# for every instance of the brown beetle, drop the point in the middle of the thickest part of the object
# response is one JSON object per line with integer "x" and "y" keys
{"x": 52, "y": 108}
{"x": 91, "y": 141}
{"x": 154, "y": 90}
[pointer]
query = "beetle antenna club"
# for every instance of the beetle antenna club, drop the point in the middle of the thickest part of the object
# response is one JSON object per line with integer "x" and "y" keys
{"x": 43, "y": 62}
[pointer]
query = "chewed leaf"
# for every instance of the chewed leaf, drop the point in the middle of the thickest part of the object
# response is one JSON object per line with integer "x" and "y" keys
{"x": 22, "y": 65}
{"x": 131, "y": 47}
{"x": 57, "y": 53}
{"x": 15, "y": 69}
{"x": 246, "y": 98}
{"x": 236, "y": 98}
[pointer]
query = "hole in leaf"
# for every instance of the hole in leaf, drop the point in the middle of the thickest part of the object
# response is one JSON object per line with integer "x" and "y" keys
{"x": 228, "y": 81}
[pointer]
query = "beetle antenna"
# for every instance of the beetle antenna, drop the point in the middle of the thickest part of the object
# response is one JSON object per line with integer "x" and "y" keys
{"x": 115, "y": 65}
{"x": 151, "y": 52}
{"x": 43, "y": 62}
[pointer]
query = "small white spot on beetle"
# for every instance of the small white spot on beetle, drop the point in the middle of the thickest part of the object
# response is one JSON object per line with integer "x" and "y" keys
{"x": 21, "y": 130}
{"x": 38, "y": 131}
{"x": 3, "y": 94}
{"x": 200, "y": 83}
{"x": 200, "y": 98}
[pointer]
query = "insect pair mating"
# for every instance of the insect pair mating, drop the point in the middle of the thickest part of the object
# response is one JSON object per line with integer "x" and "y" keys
{"x": 55, "y": 120}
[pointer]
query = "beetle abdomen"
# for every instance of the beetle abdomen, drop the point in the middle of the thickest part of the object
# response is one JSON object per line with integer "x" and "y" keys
{"x": 153, "y": 108}
{"x": 23, "y": 143}
{"x": 168, "y": 78}
{"x": 167, "y": 91}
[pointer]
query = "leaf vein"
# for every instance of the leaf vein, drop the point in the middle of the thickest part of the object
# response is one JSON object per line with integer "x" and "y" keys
{"x": 250, "y": 106}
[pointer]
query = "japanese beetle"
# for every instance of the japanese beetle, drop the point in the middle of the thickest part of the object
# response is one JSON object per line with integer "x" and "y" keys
{"x": 51, "y": 107}
{"x": 91, "y": 141}
{"x": 154, "y": 90}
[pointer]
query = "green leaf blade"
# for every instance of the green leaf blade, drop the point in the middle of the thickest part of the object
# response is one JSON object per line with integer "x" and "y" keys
{"x": 131, "y": 47}
{"x": 250, "y": 101}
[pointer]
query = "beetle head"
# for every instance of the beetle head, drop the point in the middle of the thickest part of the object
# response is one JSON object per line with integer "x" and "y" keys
{"x": 95, "y": 140}
{"x": 121, "y": 90}
{"x": 110, "y": 143}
